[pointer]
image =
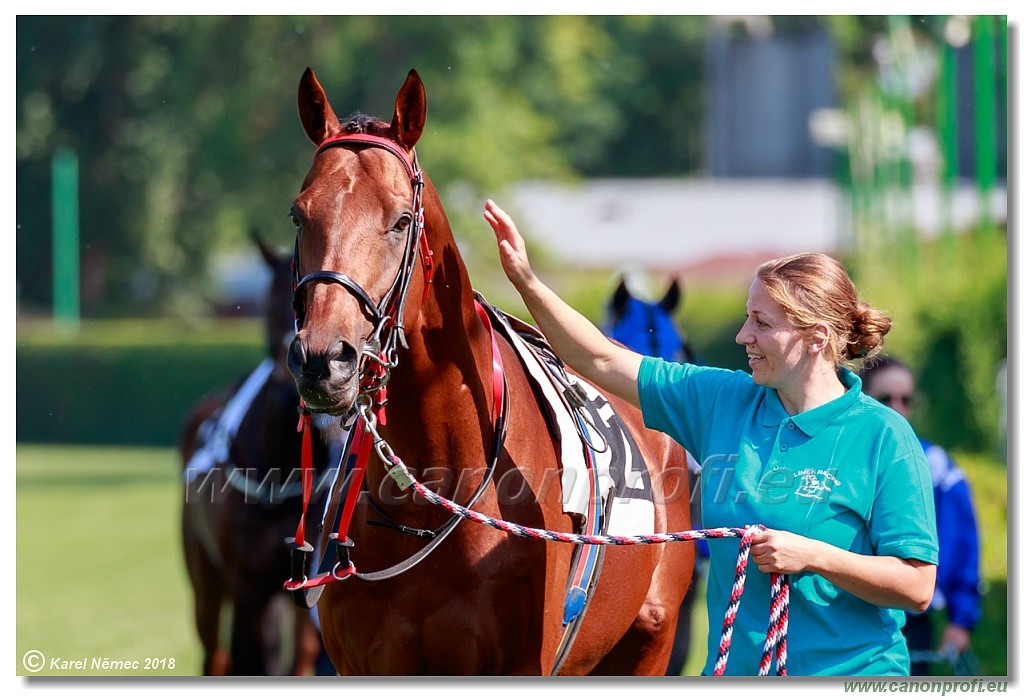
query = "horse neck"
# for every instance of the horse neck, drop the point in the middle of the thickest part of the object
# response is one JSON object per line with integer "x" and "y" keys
{"x": 429, "y": 413}
{"x": 267, "y": 437}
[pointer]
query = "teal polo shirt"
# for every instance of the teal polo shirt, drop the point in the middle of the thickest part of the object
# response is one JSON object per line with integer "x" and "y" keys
{"x": 851, "y": 473}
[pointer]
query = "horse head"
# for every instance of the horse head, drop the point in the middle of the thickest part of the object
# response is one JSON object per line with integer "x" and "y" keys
{"x": 278, "y": 317}
{"x": 647, "y": 326}
{"x": 359, "y": 224}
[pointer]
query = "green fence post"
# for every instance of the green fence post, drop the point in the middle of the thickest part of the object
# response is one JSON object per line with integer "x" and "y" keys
{"x": 947, "y": 127}
{"x": 984, "y": 116}
{"x": 65, "y": 240}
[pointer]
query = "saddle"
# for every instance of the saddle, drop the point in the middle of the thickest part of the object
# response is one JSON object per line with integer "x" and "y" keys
{"x": 605, "y": 479}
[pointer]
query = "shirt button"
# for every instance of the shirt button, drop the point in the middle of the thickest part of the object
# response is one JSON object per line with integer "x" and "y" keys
{"x": 783, "y": 447}
{"x": 790, "y": 425}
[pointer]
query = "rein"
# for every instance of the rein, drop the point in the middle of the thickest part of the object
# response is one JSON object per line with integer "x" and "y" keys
{"x": 778, "y": 622}
{"x": 306, "y": 591}
{"x": 778, "y": 617}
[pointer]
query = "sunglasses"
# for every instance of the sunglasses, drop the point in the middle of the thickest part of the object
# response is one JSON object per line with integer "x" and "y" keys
{"x": 890, "y": 399}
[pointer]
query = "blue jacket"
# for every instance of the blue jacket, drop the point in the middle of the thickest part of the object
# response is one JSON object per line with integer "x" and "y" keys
{"x": 957, "y": 584}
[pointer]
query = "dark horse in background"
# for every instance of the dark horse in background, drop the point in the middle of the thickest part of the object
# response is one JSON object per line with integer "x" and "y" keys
{"x": 384, "y": 300}
{"x": 649, "y": 327}
{"x": 240, "y": 454}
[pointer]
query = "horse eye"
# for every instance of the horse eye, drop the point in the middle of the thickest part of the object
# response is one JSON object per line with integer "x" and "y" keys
{"x": 403, "y": 223}
{"x": 295, "y": 221}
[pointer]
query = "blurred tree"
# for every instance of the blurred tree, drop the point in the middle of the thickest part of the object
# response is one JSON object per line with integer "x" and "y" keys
{"x": 655, "y": 68}
{"x": 187, "y": 134}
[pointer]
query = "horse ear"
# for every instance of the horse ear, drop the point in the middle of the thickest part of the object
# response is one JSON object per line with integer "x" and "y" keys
{"x": 269, "y": 256}
{"x": 673, "y": 295}
{"x": 315, "y": 113}
{"x": 410, "y": 111}
{"x": 620, "y": 297}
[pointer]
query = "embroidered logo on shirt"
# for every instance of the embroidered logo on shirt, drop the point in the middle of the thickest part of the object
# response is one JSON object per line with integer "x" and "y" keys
{"x": 816, "y": 483}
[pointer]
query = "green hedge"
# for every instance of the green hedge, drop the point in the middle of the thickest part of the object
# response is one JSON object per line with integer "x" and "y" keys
{"x": 129, "y": 383}
{"x": 949, "y": 303}
{"x": 132, "y": 382}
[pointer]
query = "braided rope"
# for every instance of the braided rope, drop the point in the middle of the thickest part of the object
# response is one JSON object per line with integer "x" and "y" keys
{"x": 778, "y": 623}
{"x": 734, "y": 599}
{"x": 570, "y": 537}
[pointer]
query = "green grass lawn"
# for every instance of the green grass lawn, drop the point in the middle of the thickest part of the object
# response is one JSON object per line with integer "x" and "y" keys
{"x": 990, "y": 487}
{"x": 100, "y": 574}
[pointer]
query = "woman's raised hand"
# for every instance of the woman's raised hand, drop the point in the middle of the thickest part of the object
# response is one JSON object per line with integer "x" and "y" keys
{"x": 511, "y": 247}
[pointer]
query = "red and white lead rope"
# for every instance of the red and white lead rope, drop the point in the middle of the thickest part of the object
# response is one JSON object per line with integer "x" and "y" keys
{"x": 778, "y": 623}
{"x": 778, "y": 614}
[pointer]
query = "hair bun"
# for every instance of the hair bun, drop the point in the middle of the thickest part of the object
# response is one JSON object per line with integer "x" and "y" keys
{"x": 868, "y": 331}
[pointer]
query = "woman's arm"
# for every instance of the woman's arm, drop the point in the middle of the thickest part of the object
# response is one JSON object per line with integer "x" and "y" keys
{"x": 885, "y": 581}
{"x": 576, "y": 340}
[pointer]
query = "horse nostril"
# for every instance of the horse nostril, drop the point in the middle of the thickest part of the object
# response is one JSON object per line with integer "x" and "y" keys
{"x": 339, "y": 363}
{"x": 348, "y": 353}
{"x": 344, "y": 362}
{"x": 296, "y": 356}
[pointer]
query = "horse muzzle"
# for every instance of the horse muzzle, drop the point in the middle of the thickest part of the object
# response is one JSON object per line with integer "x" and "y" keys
{"x": 327, "y": 380}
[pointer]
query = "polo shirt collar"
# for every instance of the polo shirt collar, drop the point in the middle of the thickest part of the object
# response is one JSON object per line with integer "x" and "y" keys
{"x": 817, "y": 419}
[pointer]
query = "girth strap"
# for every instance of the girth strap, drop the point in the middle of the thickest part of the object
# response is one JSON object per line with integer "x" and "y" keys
{"x": 587, "y": 559}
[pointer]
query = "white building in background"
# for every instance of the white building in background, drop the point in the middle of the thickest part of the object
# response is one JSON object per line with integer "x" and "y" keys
{"x": 706, "y": 227}
{"x": 710, "y": 229}
{"x": 674, "y": 224}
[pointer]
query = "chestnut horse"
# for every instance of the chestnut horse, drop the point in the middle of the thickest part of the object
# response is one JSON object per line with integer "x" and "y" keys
{"x": 241, "y": 456}
{"x": 384, "y": 301}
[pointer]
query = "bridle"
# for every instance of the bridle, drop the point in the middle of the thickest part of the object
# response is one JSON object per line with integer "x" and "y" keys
{"x": 381, "y": 349}
{"x": 378, "y": 357}
{"x": 387, "y": 316}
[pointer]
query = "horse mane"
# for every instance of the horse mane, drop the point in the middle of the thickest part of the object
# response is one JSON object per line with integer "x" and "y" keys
{"x": 359, "y": 123}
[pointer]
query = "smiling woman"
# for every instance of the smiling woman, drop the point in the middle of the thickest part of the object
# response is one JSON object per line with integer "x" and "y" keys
{"x": 774, "y": 444}
{"x": 807, "y": 302}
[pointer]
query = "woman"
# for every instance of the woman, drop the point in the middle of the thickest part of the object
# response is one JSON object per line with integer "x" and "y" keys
{"x": 840, "y": 483}
{"x": 958, "y": 579}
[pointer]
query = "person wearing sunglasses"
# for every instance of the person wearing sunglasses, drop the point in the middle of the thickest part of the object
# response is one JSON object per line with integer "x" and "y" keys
{"x": 957, "y": 587}
{"x": 840, "y": 484}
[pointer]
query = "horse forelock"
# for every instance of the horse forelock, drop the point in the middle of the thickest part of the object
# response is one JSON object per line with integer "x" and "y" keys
{"x": 359, "y": 123}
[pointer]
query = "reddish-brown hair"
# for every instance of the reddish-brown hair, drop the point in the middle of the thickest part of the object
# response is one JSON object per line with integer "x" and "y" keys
{"x": 814, "y": 288}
